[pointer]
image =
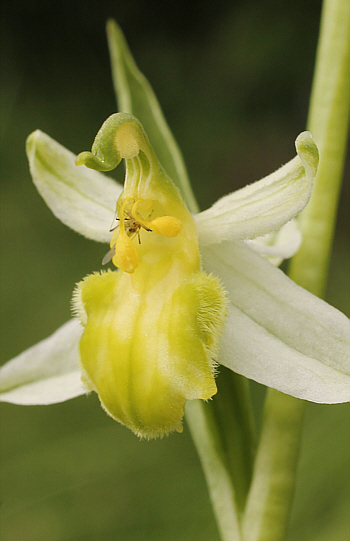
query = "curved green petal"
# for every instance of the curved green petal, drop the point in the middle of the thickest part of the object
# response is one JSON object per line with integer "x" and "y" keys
{"x": 266, "y": 205}
{"x": 278, "y": 333}
{"x": 82, "y": 199}
{"x": 47, "y": 372}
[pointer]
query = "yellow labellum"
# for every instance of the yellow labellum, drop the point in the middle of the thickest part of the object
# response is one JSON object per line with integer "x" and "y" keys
{"x": 151, "y": 329}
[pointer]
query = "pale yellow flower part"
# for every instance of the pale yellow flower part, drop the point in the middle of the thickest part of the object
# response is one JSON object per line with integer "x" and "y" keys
{"x": 150, "y": 330}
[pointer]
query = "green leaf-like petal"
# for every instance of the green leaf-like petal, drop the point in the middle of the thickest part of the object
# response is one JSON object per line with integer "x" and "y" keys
{"x": 82, "y": 199}
{"x": 47, "y": 372}
{"x": 136, "y": 96}
{"x": 278, "y": 333}
{"x": 266, "y": 205}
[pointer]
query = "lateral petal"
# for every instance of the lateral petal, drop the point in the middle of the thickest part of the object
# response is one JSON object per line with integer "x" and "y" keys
{"x": 266, "y": 205}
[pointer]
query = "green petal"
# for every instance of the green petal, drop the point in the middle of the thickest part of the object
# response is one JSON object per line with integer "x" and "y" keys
{"x": 266, "y": 205}
{"x": 82, "y": 199}
{"x": 45, "y": 373}
{"x": 278, "y": 333}
{"x": 135, "y": 96}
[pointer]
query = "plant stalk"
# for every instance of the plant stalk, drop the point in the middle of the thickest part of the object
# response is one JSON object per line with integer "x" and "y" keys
{"x": 271, "y": 494}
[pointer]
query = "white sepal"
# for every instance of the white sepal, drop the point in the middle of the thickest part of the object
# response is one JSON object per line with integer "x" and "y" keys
{"x": 278, "y": 333}
{"x": 266, "y": 205}
{"x": 83, "y": 199}
{"x": 47, "y": 372}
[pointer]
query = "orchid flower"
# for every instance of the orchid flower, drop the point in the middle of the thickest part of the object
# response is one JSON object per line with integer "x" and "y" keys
{"x": 192, "y": 291}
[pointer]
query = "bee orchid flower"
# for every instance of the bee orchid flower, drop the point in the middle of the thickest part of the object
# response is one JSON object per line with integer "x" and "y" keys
{"x": 186, "y": 292}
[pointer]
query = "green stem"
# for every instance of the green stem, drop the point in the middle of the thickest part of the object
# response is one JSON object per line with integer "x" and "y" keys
{"x": 208, "y": 442}
{"x": 234, "y": 416}
{"x": 271, "y": 493}
{"x": 267, "y": 510}
{"x": 328, "y": 123}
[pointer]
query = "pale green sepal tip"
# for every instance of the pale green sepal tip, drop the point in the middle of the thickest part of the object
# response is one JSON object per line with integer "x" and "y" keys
{"x": 308, "y": 153}
{"x": 31, "y": 142}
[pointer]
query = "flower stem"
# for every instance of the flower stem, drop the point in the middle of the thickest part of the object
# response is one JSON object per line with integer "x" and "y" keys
{"x": 234, "y": 416}
{"x": 271, "y": 493}
{"x": 208, "y": 441}
{"x": 267, "y": 511}
{"x": 328, "y": 123}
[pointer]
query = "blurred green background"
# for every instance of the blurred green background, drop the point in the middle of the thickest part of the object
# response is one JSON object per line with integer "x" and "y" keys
{"x": 234, "y": 80}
